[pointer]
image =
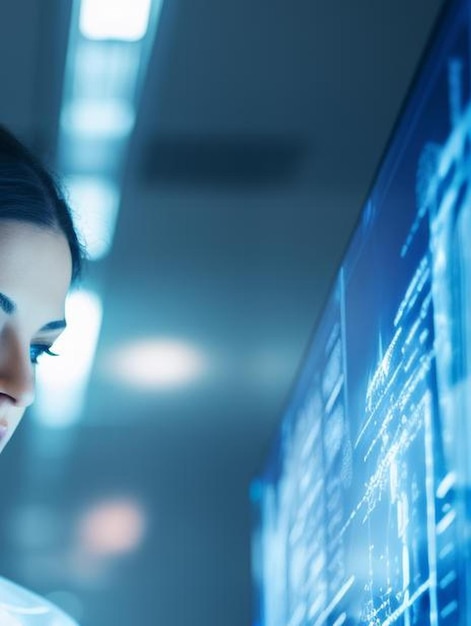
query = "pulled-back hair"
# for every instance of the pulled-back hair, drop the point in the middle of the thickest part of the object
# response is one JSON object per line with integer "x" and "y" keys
{"x": 28, "y": 193}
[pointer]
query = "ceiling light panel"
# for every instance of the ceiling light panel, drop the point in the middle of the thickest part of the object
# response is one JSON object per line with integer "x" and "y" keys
{"x": 124, "y": 20}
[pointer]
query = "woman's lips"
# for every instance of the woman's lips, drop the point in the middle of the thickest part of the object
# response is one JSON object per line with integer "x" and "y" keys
{"x": 3, "y": 429}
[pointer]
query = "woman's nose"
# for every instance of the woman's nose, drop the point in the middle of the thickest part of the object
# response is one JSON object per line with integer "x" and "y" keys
{"x": 16, "y": 369}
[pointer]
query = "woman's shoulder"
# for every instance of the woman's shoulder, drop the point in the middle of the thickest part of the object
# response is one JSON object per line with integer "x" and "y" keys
{"x": 20, "y": 607}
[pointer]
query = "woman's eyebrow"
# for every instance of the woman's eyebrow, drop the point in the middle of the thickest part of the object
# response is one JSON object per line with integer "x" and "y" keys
{"x": 7, "y": 305}
{"x": 56, "y": 325}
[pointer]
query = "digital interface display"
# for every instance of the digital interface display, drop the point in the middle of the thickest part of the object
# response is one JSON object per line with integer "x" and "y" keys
{"x": 362, "y": 510}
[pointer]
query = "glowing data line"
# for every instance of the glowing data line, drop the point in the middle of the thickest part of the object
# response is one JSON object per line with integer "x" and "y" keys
{"x": 340, "y": 620}
{"x": 445, "y": 522}
{"x": 407, "y": 604}
{"x": 335, "y": 600}
{"x": 447, "y": 483}
{"x": 429, "y": 489}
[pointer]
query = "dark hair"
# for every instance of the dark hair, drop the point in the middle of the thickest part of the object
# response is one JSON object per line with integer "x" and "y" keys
{"x": 29, "y": 193}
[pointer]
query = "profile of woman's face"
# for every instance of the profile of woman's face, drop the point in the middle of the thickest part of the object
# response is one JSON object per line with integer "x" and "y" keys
{"x": 35, "y": 275}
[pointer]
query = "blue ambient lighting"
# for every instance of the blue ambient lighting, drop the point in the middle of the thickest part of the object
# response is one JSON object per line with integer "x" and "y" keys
{"x": 62, "y": 382}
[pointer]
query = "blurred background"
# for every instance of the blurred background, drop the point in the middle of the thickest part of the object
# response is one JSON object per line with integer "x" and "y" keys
{"x": 216, "y": 155}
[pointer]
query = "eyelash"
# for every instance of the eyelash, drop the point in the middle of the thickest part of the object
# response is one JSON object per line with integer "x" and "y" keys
{"x": 38, "y": 349}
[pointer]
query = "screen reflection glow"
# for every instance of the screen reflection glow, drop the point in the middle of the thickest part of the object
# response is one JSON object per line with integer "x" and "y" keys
{"x": 62, "y": 382}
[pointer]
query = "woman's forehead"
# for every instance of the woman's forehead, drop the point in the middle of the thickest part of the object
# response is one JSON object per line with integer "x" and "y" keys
{"x": 35, "y": 266}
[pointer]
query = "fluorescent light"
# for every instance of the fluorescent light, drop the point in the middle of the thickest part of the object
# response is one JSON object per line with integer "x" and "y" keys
{"x": 106, "y": 118}
{"x": 156, "y": 364}
{"x": 95, "y": 203}
{"x": 103, "y": 71}
{"x": 61, "y": 382}
{"x": 126, "y": 20}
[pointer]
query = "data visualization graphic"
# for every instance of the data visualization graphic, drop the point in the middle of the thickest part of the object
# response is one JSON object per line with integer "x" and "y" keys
{"x": 363, "y": 508}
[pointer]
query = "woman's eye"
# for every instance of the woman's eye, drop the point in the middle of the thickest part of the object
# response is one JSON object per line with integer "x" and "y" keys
{"x": 37, "y": 349}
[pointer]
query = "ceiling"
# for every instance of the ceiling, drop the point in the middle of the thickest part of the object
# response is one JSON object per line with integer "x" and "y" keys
{"x": 260, "y": 128}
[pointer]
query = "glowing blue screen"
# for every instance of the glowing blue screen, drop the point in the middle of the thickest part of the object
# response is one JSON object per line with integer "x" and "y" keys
{"x": 363, "y": 508}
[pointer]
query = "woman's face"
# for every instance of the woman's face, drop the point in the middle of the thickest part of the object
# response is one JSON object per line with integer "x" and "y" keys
{"x": 35, "y": 275}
